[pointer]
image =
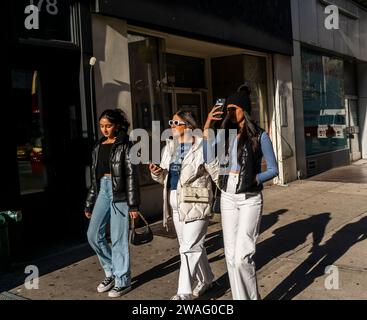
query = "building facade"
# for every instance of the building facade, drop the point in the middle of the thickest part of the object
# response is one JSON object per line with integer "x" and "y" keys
{"x": 329, "y": 82}
{"x": 309, "y": 87}
{"x": 155, "y": 57}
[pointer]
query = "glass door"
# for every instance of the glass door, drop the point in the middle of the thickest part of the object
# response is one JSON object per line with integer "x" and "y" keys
{"x": 177, "y": 99}
{"x": 352, "y": 129}
{"x": 193, "y": 102}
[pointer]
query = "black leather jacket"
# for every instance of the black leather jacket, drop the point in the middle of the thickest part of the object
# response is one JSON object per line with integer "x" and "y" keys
{"x": 250, "y": 164}
{"x": 125, "y": 182}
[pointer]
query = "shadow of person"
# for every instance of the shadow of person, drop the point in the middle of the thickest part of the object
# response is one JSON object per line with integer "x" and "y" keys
{"x": 213, "y": 243}
{"x": 46, "y": 264}
{"x": 220, "y": 287}
{"x": 214, "y": 240}
{"x": 290, "y": 236}
{"x": 321, "y": 256}
{"x": 156, "y": 272}
{"x": 270, "y": 219}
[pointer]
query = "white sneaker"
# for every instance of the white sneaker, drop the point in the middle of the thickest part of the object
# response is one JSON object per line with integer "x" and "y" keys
{"x": 106, "y": 284}
{"x": 119, "y": 291}
{"x": 201, "y": 288}
{"x": 182, "y": 297}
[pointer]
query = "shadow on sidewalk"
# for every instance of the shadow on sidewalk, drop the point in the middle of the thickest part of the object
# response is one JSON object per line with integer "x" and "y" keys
{"x": 222, "y": 285}
{"x": 285, "y": 238}
{"x": 320, "y": 257}
{"x": 270, "y": 219}
{"x": 214, "y": 242}
{"x": 47, "y": 264}
{"x": 290, "y": 236}
{"x": 220, "y": 288}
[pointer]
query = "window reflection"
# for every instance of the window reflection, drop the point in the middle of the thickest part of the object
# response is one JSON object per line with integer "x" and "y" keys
{"x": 324, "y": 110}
{"x": 146, "y": 94}
{"x": 29, "y": 130}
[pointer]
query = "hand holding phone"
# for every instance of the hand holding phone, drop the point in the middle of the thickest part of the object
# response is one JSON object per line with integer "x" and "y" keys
{"x": 215, "y": 116}
{"x": 155, "y": 169}
{"x": 217, "y": 112}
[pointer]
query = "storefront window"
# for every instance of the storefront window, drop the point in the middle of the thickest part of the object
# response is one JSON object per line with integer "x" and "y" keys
{"x": 185, "y": 72}
{"x": 146, "y": 94}
{"x": 256, "y": 77}
{"x": 230, "y": 73}
{"x": 29, "y": 130}
{"x": 145, "y": 77}
{"x": 324, "y": 110}
{"x": 192, "y": 102}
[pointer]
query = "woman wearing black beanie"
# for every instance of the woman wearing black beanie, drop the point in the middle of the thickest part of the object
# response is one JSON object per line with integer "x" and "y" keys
{"x": 237, "y": 173}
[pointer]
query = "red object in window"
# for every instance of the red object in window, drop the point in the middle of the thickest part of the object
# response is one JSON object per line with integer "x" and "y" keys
{"x": 36, "y": 162}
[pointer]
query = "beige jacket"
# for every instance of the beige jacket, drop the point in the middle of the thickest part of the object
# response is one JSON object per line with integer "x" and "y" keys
{"x": 194, "y": 173}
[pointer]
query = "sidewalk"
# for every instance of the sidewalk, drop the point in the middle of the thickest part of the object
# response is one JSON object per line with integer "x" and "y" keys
{"x": 306, "y": 226}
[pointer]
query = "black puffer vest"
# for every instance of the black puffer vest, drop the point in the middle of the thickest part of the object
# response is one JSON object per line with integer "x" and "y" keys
{"x": 250, "y": 166}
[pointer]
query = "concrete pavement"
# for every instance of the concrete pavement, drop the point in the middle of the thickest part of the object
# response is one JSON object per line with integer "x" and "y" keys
{"x": 307, "y": 226}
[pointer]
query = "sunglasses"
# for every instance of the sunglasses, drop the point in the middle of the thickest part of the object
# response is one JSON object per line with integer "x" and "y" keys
{"x": 176, "y": 123}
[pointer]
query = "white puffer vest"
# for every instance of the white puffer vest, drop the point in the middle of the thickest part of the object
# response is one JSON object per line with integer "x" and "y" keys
{"x": 194, "y": 173}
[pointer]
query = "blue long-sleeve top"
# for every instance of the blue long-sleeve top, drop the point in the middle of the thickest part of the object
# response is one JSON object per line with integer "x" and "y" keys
{"x": 267, "y": 151}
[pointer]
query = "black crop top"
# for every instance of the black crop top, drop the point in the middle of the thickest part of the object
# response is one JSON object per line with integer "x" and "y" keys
{"x": 103, "y": 165}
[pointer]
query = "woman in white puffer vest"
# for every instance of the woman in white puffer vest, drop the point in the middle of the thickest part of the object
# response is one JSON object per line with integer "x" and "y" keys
{"x": 187, "y": 197}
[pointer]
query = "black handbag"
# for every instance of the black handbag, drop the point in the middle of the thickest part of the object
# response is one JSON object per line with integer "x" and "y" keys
{"x": 138, "y": 238}
{"x": 216, "y": 201}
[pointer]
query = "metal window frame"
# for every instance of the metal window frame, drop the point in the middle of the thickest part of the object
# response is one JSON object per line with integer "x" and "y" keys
{"x": 73, "y": 43}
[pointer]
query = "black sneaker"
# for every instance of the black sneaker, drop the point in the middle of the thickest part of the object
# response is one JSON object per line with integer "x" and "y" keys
{"x": 118, "y": 291}
{"x": 106, "y": 284}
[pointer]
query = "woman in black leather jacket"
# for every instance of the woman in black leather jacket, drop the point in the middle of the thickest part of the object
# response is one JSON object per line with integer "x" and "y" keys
{"x": 113, "y": 196}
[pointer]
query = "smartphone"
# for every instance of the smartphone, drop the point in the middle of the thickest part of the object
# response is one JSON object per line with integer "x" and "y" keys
{"x": 220, "y": 102}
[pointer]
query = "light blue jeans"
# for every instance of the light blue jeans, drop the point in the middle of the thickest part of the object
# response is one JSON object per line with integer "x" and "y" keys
{"x": 115, "y": 260}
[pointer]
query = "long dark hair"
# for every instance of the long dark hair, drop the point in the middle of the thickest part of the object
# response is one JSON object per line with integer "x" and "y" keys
{"x": 189, "y": 117}
{"x": 249, "y": 134}
{"x": 118, "y": 118}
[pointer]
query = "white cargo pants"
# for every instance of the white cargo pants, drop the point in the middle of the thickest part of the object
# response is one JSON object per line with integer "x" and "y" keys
{"x": 194, "y": 260}
{"x": 241, "y": 215}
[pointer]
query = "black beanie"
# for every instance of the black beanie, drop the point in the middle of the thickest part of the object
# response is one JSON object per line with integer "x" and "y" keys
{"x": 241, "y": 99}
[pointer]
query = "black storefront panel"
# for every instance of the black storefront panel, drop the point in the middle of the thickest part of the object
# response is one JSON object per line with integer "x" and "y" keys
{"x": 47, "y": 158}
{"x": 258, "y": 24}
{"x": 43, "y": 19}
